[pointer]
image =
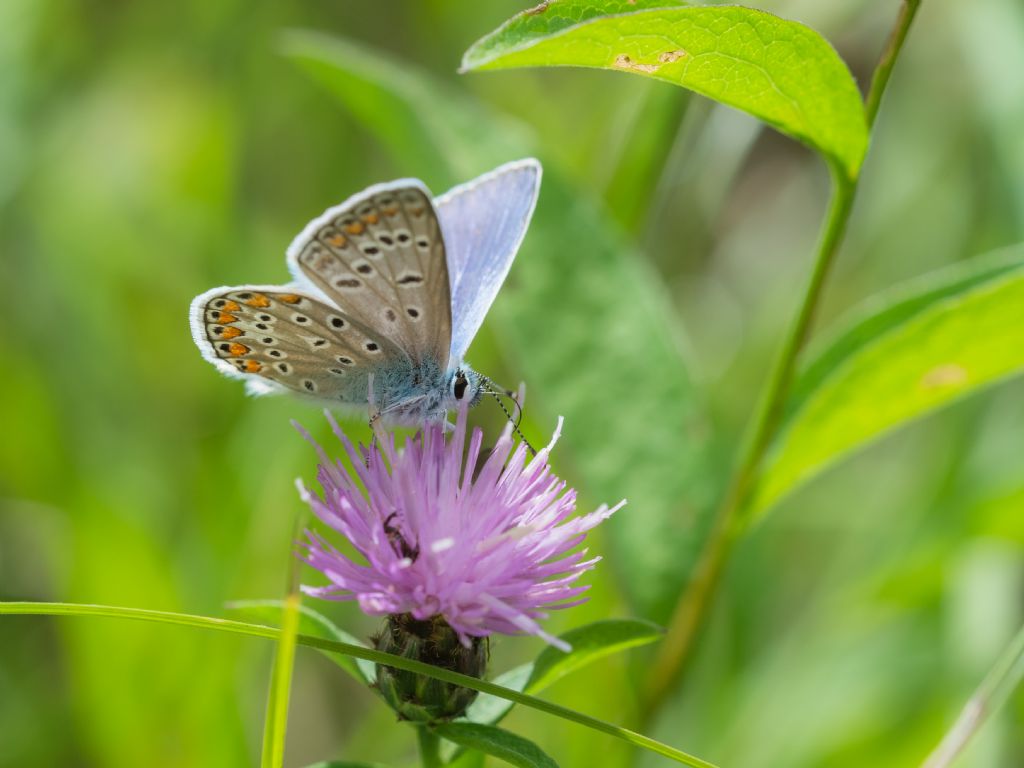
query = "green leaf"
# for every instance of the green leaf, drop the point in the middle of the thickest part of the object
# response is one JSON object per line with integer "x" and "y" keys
{"x": 466, "y": 758}
{"x": 497, "y": 742}
{"x": 779, "y": 71}
{"x": 893, "y": 307}
{"x": 590, "y": 643}
{"x": 950, "y": 336}
{"x": 639, "y": 402}
{"x": 344, "y": 764}
{"x": 490, "y": 709}
{"x": 314, "y": 624}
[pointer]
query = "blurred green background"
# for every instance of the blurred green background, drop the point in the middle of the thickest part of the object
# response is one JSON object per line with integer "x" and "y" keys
{"x": 149, "y": 151}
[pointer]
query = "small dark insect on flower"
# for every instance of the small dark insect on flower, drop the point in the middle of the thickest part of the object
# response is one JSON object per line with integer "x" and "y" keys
{"x": 398, "y": 542}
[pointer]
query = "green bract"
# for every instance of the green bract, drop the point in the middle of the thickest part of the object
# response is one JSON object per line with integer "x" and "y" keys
{"x": 418, "y": 697}
{"x": 779, "y": 71}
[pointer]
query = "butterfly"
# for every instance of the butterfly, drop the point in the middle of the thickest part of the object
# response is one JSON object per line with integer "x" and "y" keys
{"x": 389, "y": 289}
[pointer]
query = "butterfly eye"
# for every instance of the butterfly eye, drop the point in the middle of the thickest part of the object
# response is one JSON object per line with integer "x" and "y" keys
{"x": 459, "y": 385}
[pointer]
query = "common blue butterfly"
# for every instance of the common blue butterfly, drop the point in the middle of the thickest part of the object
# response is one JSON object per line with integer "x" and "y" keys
{"x": 390, "y": 286}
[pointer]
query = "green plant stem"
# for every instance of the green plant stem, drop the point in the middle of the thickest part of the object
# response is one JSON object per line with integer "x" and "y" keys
{"x": 989, "y": 697}
{"x": 880, "y": 79}
{"x": 691, "y": 609}
{"x": 358, "y": 652}
{"x": 275, "y": 724}
{"x": 693, "y": 605}
{"x": 430, "y": 747}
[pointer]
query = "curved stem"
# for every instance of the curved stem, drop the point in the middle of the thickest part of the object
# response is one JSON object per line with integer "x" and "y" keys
{"x": 692, "y": 608}
{"x": 358, "y": 652}
{"x": 883, "y": 71}
{"x": 693, "y": 605}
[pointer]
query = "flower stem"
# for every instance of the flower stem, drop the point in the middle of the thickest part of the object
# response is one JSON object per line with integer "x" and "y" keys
{"x": 993, "y": 692}
{"x": 430, "y": 747}
{"x": 692, "y": 607}
{"x": 358, "y": 652}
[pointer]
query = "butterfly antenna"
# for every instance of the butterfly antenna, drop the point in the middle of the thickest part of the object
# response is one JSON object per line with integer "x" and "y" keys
{"x": 515, "y": 420}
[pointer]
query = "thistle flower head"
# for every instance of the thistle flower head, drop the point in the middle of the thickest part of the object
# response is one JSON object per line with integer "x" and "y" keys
{"x": 489, "y": 552}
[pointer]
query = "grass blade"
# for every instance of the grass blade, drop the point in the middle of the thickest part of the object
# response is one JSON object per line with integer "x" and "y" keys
{"x": 276, "y": 724}
{"x": 359, "y": 652}
{"x": 990, "y": 696}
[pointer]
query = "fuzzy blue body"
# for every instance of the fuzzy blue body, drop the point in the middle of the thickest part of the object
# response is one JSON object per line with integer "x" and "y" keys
{"x": 408, "y": 393}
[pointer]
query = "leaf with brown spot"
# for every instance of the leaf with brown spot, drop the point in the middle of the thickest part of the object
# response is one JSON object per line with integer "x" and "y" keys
{"x": 915, "y": 350}
{"x": 781, "y": 72}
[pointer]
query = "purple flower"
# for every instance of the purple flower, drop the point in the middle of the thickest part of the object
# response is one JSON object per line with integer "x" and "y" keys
{"x": 490, "y": 553}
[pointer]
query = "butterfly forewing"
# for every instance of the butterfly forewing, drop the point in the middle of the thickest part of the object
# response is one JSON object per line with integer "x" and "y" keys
{"x": 483, "y": 222}
{"x": 380, "y": 257}
{"x": 290, "y": 339}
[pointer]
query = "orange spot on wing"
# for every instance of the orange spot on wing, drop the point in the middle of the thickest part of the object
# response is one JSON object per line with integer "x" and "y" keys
{"x": 230, "y": 333}
{"x": 225, "y": 318}
{"x": 230, "y": 306}
{"x": 338, "y": 241}
{"x": 290, "y": 298}
{"x": 355, "y": 228}
{"x": 371, "y": 218}
{"x": 237, "y": 349}
{"x": 258, "y": 300}
{"x": 251, "y": 366}
{"x": 390, "y": 210}
{"x": 416, "y": 211}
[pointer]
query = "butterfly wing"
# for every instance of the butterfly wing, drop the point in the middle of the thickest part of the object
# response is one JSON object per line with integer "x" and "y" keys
{"x": 380, "y": 257}
{"x": 280, "y": 338}
{"x": 484, "y": 222}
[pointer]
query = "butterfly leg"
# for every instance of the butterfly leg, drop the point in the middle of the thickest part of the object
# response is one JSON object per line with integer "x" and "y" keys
{"x": 374, "y": 418}
{"x": 376, "y": 412}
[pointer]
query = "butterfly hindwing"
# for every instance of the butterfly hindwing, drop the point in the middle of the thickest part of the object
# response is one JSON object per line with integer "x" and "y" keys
{"x": 287, "y": 339}
{"x": 380, "y": 256}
